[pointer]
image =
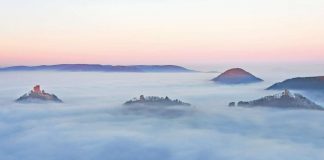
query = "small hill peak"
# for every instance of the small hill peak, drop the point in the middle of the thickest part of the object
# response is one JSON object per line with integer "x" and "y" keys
{"x": 236, "y": 76}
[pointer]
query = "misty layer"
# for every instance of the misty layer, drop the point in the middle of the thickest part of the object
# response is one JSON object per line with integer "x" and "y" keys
{"x": 92, "y": 123}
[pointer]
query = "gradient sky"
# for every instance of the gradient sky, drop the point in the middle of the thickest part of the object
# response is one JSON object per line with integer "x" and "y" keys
{"x": 184, "y": 32}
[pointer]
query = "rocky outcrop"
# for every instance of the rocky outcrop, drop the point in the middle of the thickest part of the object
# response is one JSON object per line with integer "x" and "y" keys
{"x": 300, "y": 83}
{"x": 156, "y": 101}
{"x": 285, "y": 100}
{"x": 236, "y": 76}
{"x": 37, "y": 95}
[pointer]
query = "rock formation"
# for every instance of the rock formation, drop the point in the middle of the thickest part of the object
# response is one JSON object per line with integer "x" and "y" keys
{"x": 38, "y": 95}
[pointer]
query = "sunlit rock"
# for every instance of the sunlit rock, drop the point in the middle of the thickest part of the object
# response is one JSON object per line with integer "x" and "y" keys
{"x": 37, "y": 95}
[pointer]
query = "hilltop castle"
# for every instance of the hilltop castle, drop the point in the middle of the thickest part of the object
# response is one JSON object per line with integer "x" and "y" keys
{"x": 38, "y": 95}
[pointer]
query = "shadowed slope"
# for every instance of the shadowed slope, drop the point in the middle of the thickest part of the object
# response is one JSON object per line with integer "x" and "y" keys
{"x": 300, "y": 83}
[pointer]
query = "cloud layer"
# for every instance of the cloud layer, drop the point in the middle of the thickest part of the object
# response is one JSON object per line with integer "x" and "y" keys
{"x": 92, "y": 124}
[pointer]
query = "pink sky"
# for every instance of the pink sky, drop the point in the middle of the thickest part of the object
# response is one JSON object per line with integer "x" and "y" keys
{"x": 161, "y": 32}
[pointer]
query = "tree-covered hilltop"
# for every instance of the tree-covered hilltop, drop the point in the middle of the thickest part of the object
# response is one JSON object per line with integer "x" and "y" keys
{"x": 156, "y": 101}
{"x": 286, "y": 100}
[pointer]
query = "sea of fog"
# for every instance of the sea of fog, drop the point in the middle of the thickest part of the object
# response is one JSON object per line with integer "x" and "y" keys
{"x": 92, "y": 124}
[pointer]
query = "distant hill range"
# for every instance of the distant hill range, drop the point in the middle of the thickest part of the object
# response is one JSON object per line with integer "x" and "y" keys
{"x": 99, "y": 68}
{"x": 236, "y": 76}
{"x": 300, "y": 83}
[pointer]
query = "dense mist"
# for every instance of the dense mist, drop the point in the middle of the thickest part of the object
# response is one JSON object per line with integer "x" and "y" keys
{"x": 92, "y": 123}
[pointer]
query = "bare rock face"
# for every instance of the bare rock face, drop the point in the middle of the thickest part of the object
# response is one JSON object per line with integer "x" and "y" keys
{"x": 37, "y": 96}
{"x": 285, "y": 100}
{"x": 236, "y": 76}
{"x": 156, "y": 101}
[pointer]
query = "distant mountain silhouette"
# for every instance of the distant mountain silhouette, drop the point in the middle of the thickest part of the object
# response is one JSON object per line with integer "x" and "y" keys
{"x": 284, "y": 100}
{"x": 99, "y": 68}
{"x": 300, "y": 83}
{"x": 236, "y": 76}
